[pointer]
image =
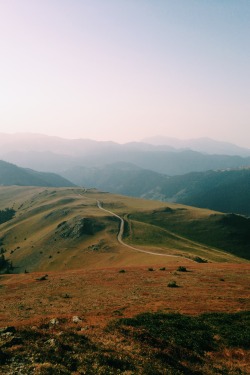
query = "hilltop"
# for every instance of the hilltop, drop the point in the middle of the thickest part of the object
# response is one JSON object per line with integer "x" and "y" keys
{"x": 11, "y": 174}
{"x": 220, "y": 190}
{"x": 57, "y": 229}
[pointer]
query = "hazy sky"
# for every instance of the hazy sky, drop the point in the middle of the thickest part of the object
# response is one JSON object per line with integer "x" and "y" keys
{"x": 126, "y": 69}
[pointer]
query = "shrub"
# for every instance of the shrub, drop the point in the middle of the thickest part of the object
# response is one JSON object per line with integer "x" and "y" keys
{"x": 150, "y": 269}
{"x": 163, "y": 269}
{"x": 182, "y": 269}
{"x": 200, "y": 260}
{"x": 122, "y": 271}
{"x": 172, "y": 284}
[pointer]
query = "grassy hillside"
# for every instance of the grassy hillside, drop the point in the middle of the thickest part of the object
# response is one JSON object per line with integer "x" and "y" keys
{"x": 227, "y": 232}
{"x": 55, "y": 229}
{"x": 10, "y": 174}
{"x": 220, "y": 190}
{"x": 98, "y": 307}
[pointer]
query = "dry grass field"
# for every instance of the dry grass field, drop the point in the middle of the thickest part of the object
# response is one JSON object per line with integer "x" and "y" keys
{"x": 99, "y": 295}
{"x": 60, "y": 229}
{"x": 70, "y": 303}
{"x": 42, "y": 311}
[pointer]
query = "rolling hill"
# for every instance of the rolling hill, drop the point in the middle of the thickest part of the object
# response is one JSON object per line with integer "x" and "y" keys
{"x": 57, "y": 229}
{"x": 220, "y": 190}
{"x": 172, "y": 299}
{"x": 10, "y": 174}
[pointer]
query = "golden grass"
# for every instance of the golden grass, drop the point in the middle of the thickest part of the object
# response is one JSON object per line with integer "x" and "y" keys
{"x": 32, "y": 243}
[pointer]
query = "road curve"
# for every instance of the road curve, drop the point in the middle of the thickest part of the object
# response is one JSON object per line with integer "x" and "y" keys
{"x": 120, "y": 235}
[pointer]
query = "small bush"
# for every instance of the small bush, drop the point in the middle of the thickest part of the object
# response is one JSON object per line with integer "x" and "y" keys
{"x": 163, "y": 269}
{"x": 150, "y": 269}
{"x": 172, "y": 284}
{"x": 200, "y": 260}
{"x": 122, "y": 271}
{"x": 182, "y": 269}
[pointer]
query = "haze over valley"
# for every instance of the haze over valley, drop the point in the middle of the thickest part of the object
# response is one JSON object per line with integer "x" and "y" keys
{"x": 124, "y": 187}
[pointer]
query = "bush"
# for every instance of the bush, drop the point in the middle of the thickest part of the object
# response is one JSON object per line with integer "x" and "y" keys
{"x": 172, "y": 284}
{"x": 182, "y": 269}
{"x": 122, "y": 271}
{"x": 150, "y": 269}
{"x": 200, "y": 260}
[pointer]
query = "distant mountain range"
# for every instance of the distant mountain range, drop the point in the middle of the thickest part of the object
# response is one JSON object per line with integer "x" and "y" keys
{"x": 203, "y": 145}
{"x": 57, "y": 155}
{"x": 10, "y": 174}
{"x": 221, "y": 190}
{"x": 203, "y": 179}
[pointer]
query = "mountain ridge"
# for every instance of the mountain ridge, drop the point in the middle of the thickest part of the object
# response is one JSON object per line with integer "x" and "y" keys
{"x": 221, "y": 190}
{"x": 10, "y": 174}
{"x": 54, "y": 154}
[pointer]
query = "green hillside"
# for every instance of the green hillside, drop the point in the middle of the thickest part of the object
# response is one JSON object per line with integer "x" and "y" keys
{"x": 220, "y": 190}
{"x": 11, "y": 174}
{"x": 63, "y": 229}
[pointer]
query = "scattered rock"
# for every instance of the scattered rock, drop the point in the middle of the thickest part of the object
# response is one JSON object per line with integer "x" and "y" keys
{"x": 76, "y": 319}
{"x": 85, "y": 328}
{"x": 54, "y": 321}
{"x": 52, "y": 342}
{"x": 77, "y": 227}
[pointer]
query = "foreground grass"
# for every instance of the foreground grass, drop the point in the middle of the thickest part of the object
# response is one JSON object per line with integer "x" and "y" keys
{"x": 149, "y": 343}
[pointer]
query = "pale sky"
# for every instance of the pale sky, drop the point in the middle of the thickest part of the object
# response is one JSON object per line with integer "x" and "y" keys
{"x": 123, "y": 70}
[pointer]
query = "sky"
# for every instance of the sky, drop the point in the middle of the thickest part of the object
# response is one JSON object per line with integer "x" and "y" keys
{"x": 124, "y": 70}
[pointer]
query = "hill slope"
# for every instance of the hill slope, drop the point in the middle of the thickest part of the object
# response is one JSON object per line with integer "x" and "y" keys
{"x": 10, "y": 174}
{"x": 57, "y": 229}
{"x": 220, "y": 190}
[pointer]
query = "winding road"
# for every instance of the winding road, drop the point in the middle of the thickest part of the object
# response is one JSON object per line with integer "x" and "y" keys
{"x": 120, "y": 235}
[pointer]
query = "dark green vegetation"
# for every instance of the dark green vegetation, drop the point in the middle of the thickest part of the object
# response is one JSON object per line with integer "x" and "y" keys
{"x": 10, "y": 174}
{"x": 224, "y": 190}
{"x": 5, "y": 265}
{"x": 227, "y": 232}
{"x": 6, "y": 214}
{"x": 198, "y": 333}
{"x": 178, "y": 343}
{"x": 182, "y": 269}
{"x": 172, "y": 284}
{"x": 149, "y": 343}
